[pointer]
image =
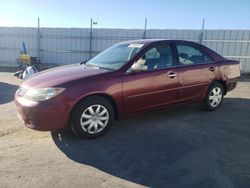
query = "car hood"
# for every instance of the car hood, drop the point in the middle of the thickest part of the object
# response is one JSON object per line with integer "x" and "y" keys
{"x": 60, "y": 75}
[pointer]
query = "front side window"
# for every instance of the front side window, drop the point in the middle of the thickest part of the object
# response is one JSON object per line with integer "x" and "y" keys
{"x": 115, "y": 57}
{"x": 157, "y": 57}
{"x": 189, "y": 55}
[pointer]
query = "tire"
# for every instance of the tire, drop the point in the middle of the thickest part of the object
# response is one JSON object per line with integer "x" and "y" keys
{"x": 214, "y": 97}
{"x": 92, "y": 117}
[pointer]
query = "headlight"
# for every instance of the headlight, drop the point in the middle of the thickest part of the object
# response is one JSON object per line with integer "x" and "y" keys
{"x": 42, "y": 94}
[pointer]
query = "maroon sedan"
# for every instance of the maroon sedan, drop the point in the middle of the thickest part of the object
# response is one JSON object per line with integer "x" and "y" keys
{"x": 126, "y": 79}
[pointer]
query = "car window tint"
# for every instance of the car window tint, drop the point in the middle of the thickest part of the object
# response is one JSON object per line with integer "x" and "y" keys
{"x": 152, "y": 54}
{"x": 158, "y": 57}
{"x": 190, "y": 55}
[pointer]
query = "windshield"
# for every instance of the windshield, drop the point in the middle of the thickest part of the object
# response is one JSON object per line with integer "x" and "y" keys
{"x": 115, "y": 57}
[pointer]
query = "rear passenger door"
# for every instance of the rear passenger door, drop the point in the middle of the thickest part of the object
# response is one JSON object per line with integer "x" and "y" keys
{"x": 196, "y": 69}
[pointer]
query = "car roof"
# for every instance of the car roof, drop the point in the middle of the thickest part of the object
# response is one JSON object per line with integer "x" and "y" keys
{"x": 147, "y": 42}
{"x": 150, "y": 41}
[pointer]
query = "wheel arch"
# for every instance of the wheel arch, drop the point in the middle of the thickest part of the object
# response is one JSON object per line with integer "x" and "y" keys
{"x": 224, "y": 85}
{"x": 103, "y": 95}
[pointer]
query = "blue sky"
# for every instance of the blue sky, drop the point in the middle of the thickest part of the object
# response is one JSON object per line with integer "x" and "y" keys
{"x": 164, "y": 14}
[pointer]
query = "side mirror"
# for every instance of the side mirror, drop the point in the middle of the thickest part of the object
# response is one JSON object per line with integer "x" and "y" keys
{"x": 138, "y": 66}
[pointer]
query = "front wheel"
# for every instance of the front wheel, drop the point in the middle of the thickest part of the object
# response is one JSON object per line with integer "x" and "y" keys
{"x": 92, "y": 117}
{"x": 214, "y": 97}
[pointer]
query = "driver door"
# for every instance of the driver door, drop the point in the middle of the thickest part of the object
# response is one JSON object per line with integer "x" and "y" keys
{"x": 156, "y": 85}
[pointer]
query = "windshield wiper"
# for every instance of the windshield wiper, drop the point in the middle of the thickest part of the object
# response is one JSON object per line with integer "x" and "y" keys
{"x": 92, "y": 65}
{"x": 83, "y": 62}
{"x": 99, "y": 67}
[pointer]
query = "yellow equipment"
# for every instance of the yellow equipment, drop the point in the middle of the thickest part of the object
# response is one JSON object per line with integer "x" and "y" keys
{"x": 25, "y": 59}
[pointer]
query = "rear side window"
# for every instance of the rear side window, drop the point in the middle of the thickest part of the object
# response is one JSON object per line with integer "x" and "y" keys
{"x": 189, "y": 55}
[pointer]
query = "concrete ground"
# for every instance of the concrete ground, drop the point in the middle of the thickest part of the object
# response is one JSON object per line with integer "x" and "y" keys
{"x": 182, "y": 147}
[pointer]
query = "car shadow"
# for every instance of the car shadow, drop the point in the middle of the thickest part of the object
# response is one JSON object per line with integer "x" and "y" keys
{"x": 9, "y": 69}
{"x": 7, "y": 92}
{"x": 245, "y": 78}
{"x": 181, "y": 147}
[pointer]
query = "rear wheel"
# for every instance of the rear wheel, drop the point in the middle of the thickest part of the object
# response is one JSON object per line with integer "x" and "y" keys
{"x": 92, "y": 117}
{"x": 214, "y": 97}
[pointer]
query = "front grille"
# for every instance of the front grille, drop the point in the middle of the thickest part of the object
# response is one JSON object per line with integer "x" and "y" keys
{"x": 22, "y": 91}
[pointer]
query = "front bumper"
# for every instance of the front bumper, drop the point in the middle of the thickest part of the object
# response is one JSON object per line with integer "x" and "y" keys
{"x": 44, "y": 116}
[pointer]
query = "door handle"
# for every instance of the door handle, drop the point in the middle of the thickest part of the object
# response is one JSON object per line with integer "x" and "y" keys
{"x": 172, "y": 75}
{"x": 212, "y": 69}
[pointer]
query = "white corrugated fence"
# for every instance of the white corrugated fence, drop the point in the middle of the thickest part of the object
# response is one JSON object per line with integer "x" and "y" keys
{"x": 71, "y": 45}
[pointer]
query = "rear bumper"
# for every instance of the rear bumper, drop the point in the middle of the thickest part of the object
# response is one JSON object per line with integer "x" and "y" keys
{"x": 44, "y": 116}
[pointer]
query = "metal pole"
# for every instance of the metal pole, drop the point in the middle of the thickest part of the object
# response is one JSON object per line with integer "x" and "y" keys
{"x": 38, "y": 38}
{"x": 202, "y": 30}
{"x": 90, "y": 38}
{"x": 145, "y": 29}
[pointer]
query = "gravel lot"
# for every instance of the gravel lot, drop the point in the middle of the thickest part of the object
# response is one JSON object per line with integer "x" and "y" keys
{"x": 181, "y": 147}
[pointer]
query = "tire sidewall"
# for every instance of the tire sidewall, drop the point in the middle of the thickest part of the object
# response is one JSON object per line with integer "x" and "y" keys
{"x": 214, "y": 85}
{"x": 81, "y": 107}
